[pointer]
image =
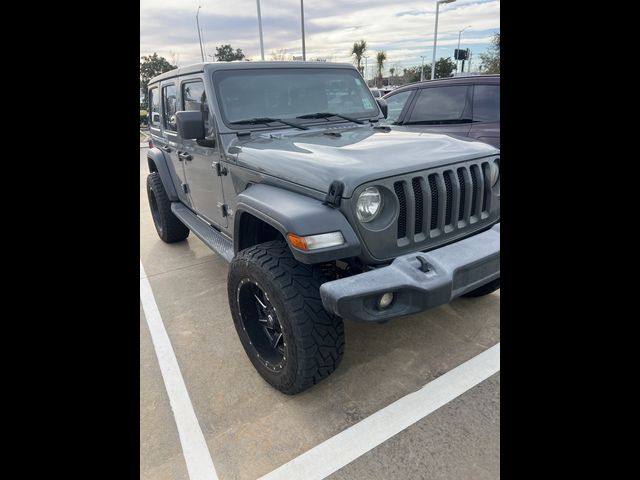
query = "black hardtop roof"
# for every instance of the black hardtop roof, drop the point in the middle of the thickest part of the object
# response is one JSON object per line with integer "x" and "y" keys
{"x": 210, "y": 67}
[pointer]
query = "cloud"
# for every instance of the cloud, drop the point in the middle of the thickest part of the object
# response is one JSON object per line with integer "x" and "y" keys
{"x": 402, "y": 28}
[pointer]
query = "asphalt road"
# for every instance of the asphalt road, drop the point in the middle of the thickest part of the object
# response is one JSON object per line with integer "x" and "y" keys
{"x": 250, "y": 429}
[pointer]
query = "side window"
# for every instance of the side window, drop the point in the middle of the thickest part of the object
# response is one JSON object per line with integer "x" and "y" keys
{"x": 395, "y": 104}
{"x": 195, "y": 98}
{"x": 441, "y": 105}
{"x": 486, "y": 103}
{"x": 169, "y": 107}
{"x": 154, "y": 107}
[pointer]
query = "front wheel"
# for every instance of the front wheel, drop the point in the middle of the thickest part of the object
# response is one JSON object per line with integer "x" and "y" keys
{"x": 292, "y": 341}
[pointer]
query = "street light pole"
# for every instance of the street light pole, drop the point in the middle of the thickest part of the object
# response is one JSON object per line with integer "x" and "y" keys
{"x": 199, "y": 35}
{"x": 460, "y": 33}
{"x": 260, "y": 28}
{"x": 304, "y": 53}
{"x": 435, "y": 37}
{"x": 422, "y": 71}
{"x": 204, "y": 43}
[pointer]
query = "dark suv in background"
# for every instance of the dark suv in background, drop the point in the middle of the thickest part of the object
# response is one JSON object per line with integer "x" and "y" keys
{"x": 466, "y": 106}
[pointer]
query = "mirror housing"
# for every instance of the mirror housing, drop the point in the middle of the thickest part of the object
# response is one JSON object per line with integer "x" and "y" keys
{"x": 190, "y": 125}
{"x": 382, "y": 103}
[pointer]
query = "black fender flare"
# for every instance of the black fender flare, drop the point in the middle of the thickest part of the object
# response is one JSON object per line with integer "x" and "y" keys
{"x": 290, "y": 212}
{"x": 156, "y": 157}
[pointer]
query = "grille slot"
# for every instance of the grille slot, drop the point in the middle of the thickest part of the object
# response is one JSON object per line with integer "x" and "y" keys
{"x": 449, "y": 188}
{"x": 434, "y": 201}
{"x": 462, "y": 194}
{"x": 486, "y": 169}
{"x": 402, "y": 214}
{"x": 474, "y": 189}
{"x": 417, "y": 193}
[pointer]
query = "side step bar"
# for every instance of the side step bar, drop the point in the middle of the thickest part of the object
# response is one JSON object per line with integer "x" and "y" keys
{"x": 215, "y": 240}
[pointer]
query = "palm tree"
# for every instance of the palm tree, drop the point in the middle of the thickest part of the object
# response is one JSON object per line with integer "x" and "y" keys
{"x": 381, "y": 57}
{"x": 358, "y": 51}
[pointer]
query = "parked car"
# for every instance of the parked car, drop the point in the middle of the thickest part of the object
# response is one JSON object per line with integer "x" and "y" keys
{"x": 284, "y": 170}
{"x": 467, "y": 106}
{"x": 376, "y": 93}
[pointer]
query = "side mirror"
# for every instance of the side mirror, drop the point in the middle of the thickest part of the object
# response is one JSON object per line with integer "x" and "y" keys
{"x": 382, "y": 103}
{"x": 190, "y": 125}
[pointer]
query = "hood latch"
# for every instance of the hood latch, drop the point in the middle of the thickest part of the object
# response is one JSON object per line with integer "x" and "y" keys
{"x": 335, "y": 194}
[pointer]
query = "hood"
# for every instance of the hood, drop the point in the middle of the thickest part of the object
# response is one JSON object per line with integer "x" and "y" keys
{"x": 353, "y": 155}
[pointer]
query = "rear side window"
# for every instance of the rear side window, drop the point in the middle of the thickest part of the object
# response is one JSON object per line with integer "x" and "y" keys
{"x": 486, "y": 103}
{"x": 154, "y": 107}
{"x": 195, "y": 98}
{"x": 441, "y": 105}
{"x": 169, "y": 105}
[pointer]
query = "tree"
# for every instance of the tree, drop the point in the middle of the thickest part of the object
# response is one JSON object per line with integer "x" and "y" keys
{"x": 358, "y": 50}
{"x": 151, "y": 66}
{"x": 280, "y": 55}
{"x": 444, "y": 68}
{"x": 490, "y": 61}
{"x": 380, "y": 58}
{"x": 412, "y": 74}
{"x": 225, "y": 53}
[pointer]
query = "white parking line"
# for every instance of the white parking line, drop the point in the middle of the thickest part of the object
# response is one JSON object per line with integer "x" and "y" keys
{"x": 333, "y": 454}
{"x": 194, "y": 448}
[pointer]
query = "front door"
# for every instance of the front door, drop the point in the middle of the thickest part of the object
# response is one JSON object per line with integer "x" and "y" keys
{"x": 441, "y": 110}
{"x": 200, "y": 158}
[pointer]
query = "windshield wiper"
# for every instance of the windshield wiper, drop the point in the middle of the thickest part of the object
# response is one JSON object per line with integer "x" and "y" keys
{"x": 266, "y": 121}
{"x": 439, "y": 122}
{"x": 328, "y": 114}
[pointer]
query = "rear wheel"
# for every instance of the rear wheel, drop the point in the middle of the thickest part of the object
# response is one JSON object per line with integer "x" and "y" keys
{"x": 169, "y": 228}
{"x": 292, "y": 341}
{"x": 484, "y": 289}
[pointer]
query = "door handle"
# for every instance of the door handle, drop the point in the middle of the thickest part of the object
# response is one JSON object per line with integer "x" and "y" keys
{"x": 185, "y": 156}
{"x": 165, "y": 148}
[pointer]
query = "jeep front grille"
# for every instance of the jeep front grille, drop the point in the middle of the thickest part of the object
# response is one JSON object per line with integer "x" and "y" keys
{"x": 434, "y": 204}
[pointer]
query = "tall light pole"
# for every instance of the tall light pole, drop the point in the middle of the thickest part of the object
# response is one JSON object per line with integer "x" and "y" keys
{"x": 204, "y": 42}
{"x": 460, "y": 33}
{"x": 260, "y": 28}
{"x": 435, "y": 37}
{"x": 199, "y": 35}
{"x": 422, "y": 71}
{"x": 304, "y": 53}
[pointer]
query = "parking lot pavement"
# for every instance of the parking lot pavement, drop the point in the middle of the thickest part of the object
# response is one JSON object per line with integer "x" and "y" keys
{"x": 251, "y": 429}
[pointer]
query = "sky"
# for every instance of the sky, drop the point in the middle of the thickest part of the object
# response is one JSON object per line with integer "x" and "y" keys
{"x": 401, "y": 28}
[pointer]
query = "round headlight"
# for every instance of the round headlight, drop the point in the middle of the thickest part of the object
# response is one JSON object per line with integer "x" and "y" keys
{"x": 369, "y": 204}
{"x": 495, "y": 172}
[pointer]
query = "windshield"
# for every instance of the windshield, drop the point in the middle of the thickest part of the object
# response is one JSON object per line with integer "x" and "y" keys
{"x": 289, "y": 93}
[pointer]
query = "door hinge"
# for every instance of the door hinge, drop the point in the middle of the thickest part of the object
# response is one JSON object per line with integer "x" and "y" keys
{"x": 219, "y": 168}
{"x": 185, "y": 188}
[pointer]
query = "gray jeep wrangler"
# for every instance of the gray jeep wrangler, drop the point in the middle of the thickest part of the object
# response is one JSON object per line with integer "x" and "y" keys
{"x": 284, "y": 169}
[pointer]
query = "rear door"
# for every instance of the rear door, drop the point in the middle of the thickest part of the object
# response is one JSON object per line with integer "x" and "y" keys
{"x": 442, "y": 109}
{"x": 200, "y": 159}
{"x": 168, "y": 141}
{"x": 486, "y": 114}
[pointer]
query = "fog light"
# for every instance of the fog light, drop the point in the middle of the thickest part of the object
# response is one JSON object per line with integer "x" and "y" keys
{"x": 385, "y": 300}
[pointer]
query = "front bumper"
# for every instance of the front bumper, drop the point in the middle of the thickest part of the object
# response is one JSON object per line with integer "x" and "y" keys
{"x": 451, "y": 271}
